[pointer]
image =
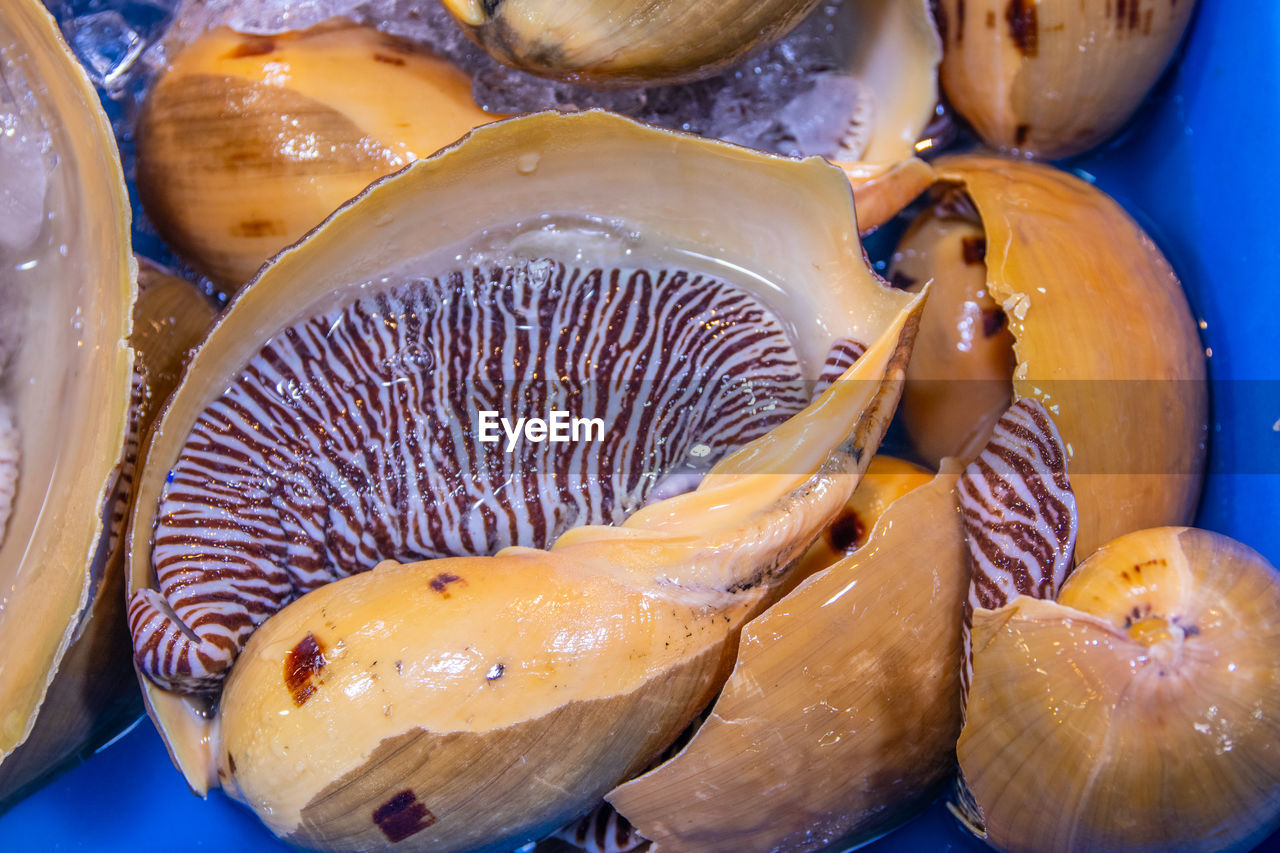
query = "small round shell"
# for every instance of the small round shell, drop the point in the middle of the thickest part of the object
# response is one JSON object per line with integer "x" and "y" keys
{"x": 1146, "y": 699}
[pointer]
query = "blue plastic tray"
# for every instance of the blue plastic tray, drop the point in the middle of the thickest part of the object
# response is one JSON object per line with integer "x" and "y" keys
{"x": 1197, "y": 170}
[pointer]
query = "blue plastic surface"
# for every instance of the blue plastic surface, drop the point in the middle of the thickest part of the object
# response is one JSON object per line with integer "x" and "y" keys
{"x": 1195, "y": 167}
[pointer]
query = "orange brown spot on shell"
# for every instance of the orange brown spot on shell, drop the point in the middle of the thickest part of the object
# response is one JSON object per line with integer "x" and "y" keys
{"x": 402, "y": 816}
{"x": 847, "y": 532}
{"x": 259, "y": 228}
{"x": 1024, "y": 26}
{"x": 441, "y": 582}
{"x": 974, "y": 250}
{"x": 304, "y": 661}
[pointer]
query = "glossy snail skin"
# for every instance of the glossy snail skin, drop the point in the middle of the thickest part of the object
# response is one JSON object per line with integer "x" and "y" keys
{"x": 246, "y": 142}
{"x": 1053, "y": 78}
{"x": 1147, "y": 692}
{"x": 624, "y": 43}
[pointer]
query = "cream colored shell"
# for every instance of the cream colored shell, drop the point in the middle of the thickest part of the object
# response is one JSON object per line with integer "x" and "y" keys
{"x": 1146, "y": 700}
{"x": 959, "y": 380}
{"x": 1055, "y": 77}
{"x": 73, "y": 305}
{"x": 841, "y": 714}
{"x": 678, "y": 190}
{"x": 1104, "y": 338}
{"x": 621, "y": 42}
{"x": 247, "y": 142}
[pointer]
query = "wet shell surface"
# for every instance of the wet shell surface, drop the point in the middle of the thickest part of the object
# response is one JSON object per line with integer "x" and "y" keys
{"x": 1142, "y": 685}
{"x": 246, "y": 142}
{"x": 624, "y": 43}
{"x": 961, "y": 373}
{"x": 892, "y": 48}
{"x": 840, "y": 718}
{"x": 66, "y": 296}
{"x": 1103, "y": 337}
{"x": 1053, "y": 78}
{"x": 670, "y": 584}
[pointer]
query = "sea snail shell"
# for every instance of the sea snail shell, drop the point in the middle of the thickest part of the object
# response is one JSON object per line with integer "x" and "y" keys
{"x": 66, "y": 299}
{"x": 246, "y": 142}
{"x": 1145, "y": 695}
{"x": 711, "y": 555}
{"x": 961, "y": 373}
{"x": 1102, "y": 335}
{"x": 840, "y": 718}
{"x": 628, "y": 42}
{"x": 1054, "y": 78}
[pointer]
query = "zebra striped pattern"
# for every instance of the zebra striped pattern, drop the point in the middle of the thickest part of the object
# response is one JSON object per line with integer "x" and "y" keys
{"x": 844, "y": 352}
{"x": 1019, "y": 515}
{"x": 122, "y": 494}
{"x": 9, "y": 459}
{"x": 603, "y": 831}
{"x": 352, "y": 437}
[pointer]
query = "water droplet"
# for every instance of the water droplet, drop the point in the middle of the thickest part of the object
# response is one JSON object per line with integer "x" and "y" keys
{"x": 527, "y": 163}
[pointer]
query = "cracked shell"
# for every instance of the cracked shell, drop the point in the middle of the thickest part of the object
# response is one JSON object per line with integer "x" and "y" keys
{"x": 674, "y": 581}
{"x": 840, "y": 718}
{"x": 1103, "y": 337}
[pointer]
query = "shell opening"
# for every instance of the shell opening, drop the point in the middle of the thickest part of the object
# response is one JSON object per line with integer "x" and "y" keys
{"x": 496, "y": 403}
{"x": 961, "y": 373}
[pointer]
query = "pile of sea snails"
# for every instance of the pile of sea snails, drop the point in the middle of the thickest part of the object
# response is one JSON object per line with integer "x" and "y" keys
{"x": 529, "y": 491}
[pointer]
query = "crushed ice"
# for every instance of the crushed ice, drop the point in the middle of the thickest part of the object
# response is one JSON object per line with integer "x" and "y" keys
{"x": 790, "y": 98}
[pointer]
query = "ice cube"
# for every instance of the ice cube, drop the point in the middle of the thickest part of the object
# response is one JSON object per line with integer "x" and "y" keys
{"x": 106, "y": 44}
{"x": 820, "y": 120}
